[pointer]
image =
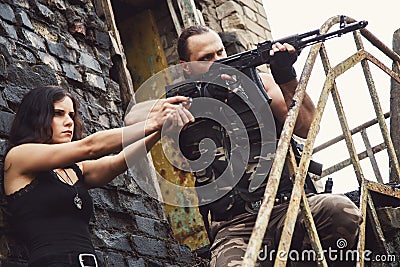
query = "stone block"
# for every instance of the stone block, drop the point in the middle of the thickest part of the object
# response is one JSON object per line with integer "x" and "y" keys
{"x": 102, "y": 39}
{"x": 154, "y": 263}
{"x": 25, "y": 55}
{"x": 30, "y": 77}
{"x": 34, "y": 40}
{"x": 3, "y": 149}
{"x": 249, "y": 3}
{"x": 6, "y": 49}
{"x": 3, "y": 67}
{"x": 61, "y": 51}
{"x": 46, "y": 74}
{"x": 6, "y": 119}
{"x": 45, "y": 31}
{"x": 95, "y": 81}
{"x": 59, "y": 4}
{"x": 6, "y": 12}
{"x": 22, "y": 3}
{"x": 263, "y": 22}
{"x": 105, "y": 199}
{"x": 104, "y": 120}
{"x": 135, "y": 262}
{"x": 149, "y": 246}
{"x": 136, "y": 204}
{"x": 71, "y": 72}
{"x": 23, "y": 20}
{"x": 183, "y": 254}
{"x": 125, "y": 180}
{"x": 250, "y": 13}
{"x": 152, "y": 227}
{"x": 228, "y": 8}
{"x": 104, "y": 57}
{"x": 255, "y": 27}
{"x": 45, "y": 11}
{"x": 90, "y": 62}
{"x": 70, "y": 42}
{"x": 114, "y": 240}
{"x": 8, "y": 30}
{"x": 234, "y": 21}
{"x": 115, "y": 260}
{"x": 50, "y": 61}
{"x": 261, "y": 9}
{"x": 14, "y": 94}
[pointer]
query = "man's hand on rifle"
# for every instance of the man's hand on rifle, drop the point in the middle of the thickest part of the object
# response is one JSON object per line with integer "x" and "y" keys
{"x": 283, "y": 56}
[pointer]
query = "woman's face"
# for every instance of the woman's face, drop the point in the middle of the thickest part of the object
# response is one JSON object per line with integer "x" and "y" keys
{"x": 63, "y": 123}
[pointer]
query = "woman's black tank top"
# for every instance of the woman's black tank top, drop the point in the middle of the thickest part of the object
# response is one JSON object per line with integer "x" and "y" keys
{"x": 46, "y": 219}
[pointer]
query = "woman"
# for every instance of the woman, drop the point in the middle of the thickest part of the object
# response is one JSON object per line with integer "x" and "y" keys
{"x": 48, "y": 170}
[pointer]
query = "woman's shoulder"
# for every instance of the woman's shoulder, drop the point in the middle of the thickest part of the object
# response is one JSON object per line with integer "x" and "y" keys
{"x": 18, "y": 151}
{"x": 22, "y": 148}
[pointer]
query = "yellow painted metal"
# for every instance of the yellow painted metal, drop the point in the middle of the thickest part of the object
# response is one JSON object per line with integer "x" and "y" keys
{"x": 142, "y": 46}
{"x": 145, "y": 56}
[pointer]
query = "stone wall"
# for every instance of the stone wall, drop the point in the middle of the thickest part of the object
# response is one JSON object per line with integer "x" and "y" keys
{"x": 66, "y": 43}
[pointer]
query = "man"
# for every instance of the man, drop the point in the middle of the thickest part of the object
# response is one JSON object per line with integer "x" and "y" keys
{"x": 233, "y": 216}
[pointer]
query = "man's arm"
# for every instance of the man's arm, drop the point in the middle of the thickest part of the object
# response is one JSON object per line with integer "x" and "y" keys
{"x": 282, "y": 97}
{"x": 307, "y": 108}
{"x": 283, "y": 57}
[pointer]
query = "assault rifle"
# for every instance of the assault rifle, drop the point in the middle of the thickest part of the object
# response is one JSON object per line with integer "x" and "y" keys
{"x": 247, "y": 61}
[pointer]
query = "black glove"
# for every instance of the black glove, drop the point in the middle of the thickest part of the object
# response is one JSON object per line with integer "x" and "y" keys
{"x": 281, "y": 65}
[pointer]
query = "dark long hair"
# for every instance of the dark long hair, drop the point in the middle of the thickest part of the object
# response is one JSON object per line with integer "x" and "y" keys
{"x": 183, "y": 51}
{"x": 32, "y": 122}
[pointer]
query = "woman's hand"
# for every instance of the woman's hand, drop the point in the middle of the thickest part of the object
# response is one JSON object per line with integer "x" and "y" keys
{"x": 157, "y": 112}
{"x": 151, "y": 109}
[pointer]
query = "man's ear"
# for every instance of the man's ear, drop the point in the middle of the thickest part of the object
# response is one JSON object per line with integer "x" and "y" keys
{"x": 186, "y": 67}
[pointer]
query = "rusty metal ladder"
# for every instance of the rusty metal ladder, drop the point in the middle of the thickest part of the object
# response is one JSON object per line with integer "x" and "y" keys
{"x": 284, "y": 151}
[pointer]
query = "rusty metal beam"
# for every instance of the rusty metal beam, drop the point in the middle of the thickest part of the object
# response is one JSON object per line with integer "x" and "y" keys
{"x": 346, "y": 64}
{"x": 378, "y": 111}
{"x": 267, "y": 205}
{"x": 307, "y": 216}
{"x": 376, "y": 42}
{"x": 347, "y": 162}
{"x": 300, "y": 171}
{"x": 382, "y": 189}
{"x": 361, "y": 237}
{"x": 352, "y": 131}
{"x": 371, "y": 156}
{"x": 287, "y": 232}
{"x": 377, "y": 230}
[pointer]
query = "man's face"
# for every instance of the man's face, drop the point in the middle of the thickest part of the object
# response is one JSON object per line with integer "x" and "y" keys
{"x": 204, "y": 49}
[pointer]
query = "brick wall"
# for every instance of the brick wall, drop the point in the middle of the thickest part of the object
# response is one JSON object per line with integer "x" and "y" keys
{"x": 61, "y": 42}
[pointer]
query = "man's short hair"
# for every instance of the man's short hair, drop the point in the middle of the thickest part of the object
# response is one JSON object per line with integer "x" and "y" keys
{"x": 183, "y": 51}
